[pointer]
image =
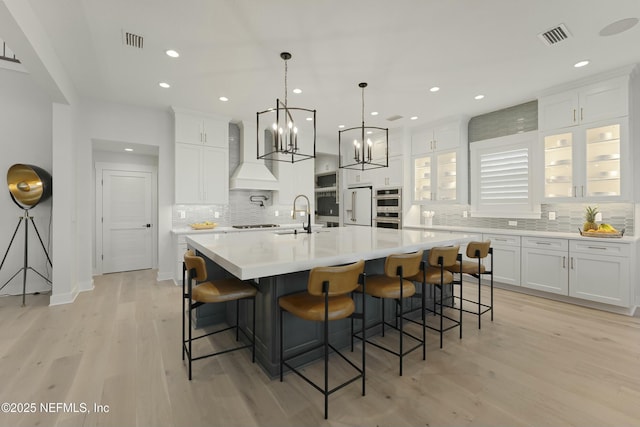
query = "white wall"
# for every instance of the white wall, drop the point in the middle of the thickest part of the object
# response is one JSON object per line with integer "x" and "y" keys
{"x": 25, "y": 137}
{"x": 116, "y": 122}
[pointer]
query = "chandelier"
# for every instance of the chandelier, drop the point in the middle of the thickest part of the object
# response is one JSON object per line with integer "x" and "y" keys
{"x": 290, "y": 132}
{"x": 370, "y": 148}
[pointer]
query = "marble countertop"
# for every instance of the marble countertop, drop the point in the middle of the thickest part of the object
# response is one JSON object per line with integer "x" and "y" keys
{"x": 276, "y": 252}
{"x": 528, "y": 233}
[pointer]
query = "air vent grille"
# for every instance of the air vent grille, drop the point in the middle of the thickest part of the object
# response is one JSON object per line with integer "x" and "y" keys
{"x": 394, "y": 118}
{"x": 133, "y": 40}
{"x": 555, "y": 35}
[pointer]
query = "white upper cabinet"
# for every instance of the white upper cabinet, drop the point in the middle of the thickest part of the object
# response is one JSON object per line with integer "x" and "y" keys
{"x": 200, "y": 129}
{"x": 443, "y": 136}
{"x": 201, "y": 158}
{"x": 595, "y": 102}
{"x": 588, "y": 162}
{"x": 440, "y": 163}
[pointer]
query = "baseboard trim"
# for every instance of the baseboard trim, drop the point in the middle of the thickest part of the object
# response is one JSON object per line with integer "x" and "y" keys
{"x": 164, "y": 275}
{"x": 61, "y": 299}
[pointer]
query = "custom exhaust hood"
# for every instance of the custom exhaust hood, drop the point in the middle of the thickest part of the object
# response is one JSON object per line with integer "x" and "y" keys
{"x": 251, "y": 173}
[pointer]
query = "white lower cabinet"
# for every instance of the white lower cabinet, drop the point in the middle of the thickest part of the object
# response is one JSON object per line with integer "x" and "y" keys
{"x": 592, "y": 270}
{"x": 600, "y": 271}
{"x": 545, "y": 264}
{"x": 506, "y": 262}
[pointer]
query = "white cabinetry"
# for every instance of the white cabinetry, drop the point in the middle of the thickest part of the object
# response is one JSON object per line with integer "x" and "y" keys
{"x": 390, "y": 176}
{"x": 600, "y": 271}
{"x": 589, "y": 162}
{"x": 506, "y": 258}
{"x": 202, "y": 174}
{"x": 594, "y": 102}
{"x": 439, "y": 162}
{"x": 201, "y": 159}
{"x": 545, "y": 264}
{"x": 436, "y": 138}
{"x": 193, "y": 128}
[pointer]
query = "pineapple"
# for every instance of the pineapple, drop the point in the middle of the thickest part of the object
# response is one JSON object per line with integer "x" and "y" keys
{"x": 590, "y": 219}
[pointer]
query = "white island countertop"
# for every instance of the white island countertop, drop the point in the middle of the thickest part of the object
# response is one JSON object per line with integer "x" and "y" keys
{"x": 273, "y": 253}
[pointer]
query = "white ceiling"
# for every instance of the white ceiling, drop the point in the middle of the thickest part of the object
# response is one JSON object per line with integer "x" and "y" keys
{"x": 401, "y": 48}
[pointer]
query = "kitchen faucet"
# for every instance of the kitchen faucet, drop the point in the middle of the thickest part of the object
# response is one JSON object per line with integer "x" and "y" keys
{"x": 307, "y": 211}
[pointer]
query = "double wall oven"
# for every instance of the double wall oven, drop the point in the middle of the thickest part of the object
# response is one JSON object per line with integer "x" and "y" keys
{"x": 388, "y": 208}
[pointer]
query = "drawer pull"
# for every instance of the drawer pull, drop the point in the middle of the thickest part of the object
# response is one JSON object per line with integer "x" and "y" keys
{"x": 597, "y": 247}
{"x": 564, "y": 262}
{"x": 543, "y": 243}
{"x": 501, "y": 240}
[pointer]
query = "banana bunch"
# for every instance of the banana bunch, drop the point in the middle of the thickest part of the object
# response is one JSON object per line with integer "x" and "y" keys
{"x": 606, "y": 228}
{"x": 603, "y": 228}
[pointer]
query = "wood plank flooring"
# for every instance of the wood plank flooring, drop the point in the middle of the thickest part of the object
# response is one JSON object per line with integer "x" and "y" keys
{"x": 540, "y": 363}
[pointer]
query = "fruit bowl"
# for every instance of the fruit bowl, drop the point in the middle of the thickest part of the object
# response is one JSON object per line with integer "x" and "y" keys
{"x": 606, "y": 234}
{"x": 207, "y": 225}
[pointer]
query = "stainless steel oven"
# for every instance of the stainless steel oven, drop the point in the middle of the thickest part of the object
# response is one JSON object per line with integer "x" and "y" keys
{"x": 388, "y": 208}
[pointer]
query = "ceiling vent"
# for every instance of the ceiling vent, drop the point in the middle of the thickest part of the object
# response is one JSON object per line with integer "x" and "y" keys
{"x": 394, "y": 118}
{"x": 133, "y": 40}
{"x": 555, "y": 35}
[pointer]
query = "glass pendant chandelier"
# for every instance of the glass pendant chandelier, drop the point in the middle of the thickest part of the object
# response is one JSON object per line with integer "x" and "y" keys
{"x": 286, "y": 134}
{"x": 363, "y": 147}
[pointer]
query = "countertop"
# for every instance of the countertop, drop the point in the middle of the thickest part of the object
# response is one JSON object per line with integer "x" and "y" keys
{"x": 189, "y": 230}
{"x": 272, "y": 253}
{"x": 515, "y": 232}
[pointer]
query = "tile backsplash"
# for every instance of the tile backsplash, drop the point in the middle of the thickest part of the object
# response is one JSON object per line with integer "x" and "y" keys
{"x": 569, "y": 217}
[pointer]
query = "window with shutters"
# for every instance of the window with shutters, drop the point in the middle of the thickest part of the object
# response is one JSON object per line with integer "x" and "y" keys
{"x": 502, "y": 177}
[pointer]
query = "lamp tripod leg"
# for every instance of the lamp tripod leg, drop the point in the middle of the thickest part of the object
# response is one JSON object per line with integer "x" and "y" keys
{"x": 11, "y": 243}
{"x": 41, "y": 243}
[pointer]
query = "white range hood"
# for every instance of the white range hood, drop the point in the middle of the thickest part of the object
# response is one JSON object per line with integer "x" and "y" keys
{"x": 251, "y": 173}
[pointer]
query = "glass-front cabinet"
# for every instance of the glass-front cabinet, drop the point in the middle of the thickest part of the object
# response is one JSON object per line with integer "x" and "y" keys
{"x": 586, "y": 162}
{"x": 435, "y": 177}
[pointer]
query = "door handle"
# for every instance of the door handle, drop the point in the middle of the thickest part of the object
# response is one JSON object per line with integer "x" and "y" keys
{"x": 564, "y": 262}
{"x": 572, "y": 263}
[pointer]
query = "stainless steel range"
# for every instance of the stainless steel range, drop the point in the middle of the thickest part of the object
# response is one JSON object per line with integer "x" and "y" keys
{"x": 388, "y": 208}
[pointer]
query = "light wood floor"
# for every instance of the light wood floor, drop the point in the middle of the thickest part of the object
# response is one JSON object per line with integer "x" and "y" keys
{"x": 540, "y": 363}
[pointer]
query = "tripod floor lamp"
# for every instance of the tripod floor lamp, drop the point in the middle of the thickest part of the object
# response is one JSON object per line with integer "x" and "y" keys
{"x": 28, "y": 186}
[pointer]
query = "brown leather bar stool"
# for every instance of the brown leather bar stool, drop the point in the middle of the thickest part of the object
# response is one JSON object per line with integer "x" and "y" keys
{"x": 328, "y": 298}
{"x": 393, "y": 284}
{"x": 477, "y": 251}
{"x": 208, "y": 292}
{"x": 438, "y": 275}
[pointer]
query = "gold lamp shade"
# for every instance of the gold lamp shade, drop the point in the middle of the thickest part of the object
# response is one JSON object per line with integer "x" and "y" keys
{"x": 28, "y": 185}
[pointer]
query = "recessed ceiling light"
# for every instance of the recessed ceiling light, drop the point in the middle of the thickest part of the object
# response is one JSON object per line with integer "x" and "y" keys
{"x": 581, "y": 63}
{"x": 369, "y": 132}
{"x": 479, "y": 97}
{"x": 296, "y": 90}
{"x": 414, "y": 118}
{"x": 341, "y": 126}
{"x": 172, "y": 53}
{"x": 374, "y": 113}
{"x": 618, "y": 27}
{"x": 128, "y": 149}
{"x": 164, "y": 85}
{"x": 434, "y": 89}
{"x": 223, "y": 99}
{"x": 309, "y": 119}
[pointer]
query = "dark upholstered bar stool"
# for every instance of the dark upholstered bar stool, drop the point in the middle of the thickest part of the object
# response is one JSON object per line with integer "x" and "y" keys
{"x": 439, "y": 259}
{"x": 328, "y": 298}
{"x": 207, "y": 292}
{"x": 393, "y": 284}
{"x": 477, "y": 251}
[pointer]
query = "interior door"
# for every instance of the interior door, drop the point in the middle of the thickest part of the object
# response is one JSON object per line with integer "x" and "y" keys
{"x": 127, "y": 226}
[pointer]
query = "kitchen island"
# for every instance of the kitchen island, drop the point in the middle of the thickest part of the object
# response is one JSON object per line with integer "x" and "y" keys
{"x": 279, "y": 263}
